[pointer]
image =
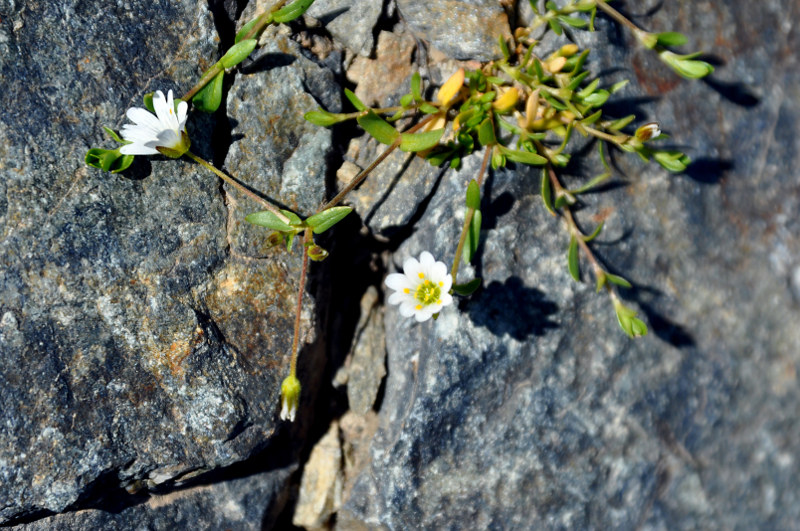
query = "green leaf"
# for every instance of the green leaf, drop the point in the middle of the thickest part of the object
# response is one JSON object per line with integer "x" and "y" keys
{"x": 467, "y": 289}
{"x": 292, "y": 11}
{"x": 597, "y": 99}
{"x": 148, "y": 102}
{"x": 503, "y": 47}
{"x": 572, "y": 259}
{"x": 589, "y": 120}
{"x": 354, "y": 100}
{"x": 594, "y": 233}
{"x": 427, "y": 108}
{"x": 486, "y": 134}
{"x": 378, "y": 128}
{"x": 416, "y": 87}
{"x": 673, "y": 161}
{"x": 238, "y": 53}
{"x": 268, "y": 219}
{"x": 406, "y": 100}
{"x": 473, "y": 195}
{"x": 115, "y": 136}
{"x": 324, "y": 118}
{"x": 547, "y": 194}
{"x": 210, "y": 97}
{"x": 616, "y": 125}
{"x": 245, "y": 30}
{"x": 473, "y": 236}
{"x": 420, "y": 141}
{"x": 575, "y": 22}
{"x": 619, "y": 281}
{"x": 671, "y": 38}
{"x": 524, "y": 157}
{"x": 686, "y": 65}
{"x": 577, "y": 80}
{"x": 616, "y": 87}
{"x": 555, "y": 26}
{"x": 327, "y": 218}
{"x": 589, "y": 89}
{"x": 294, "y": 219}
{"x": 290, "y": 240}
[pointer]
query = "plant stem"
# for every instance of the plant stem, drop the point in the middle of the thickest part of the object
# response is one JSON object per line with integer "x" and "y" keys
{"x": 616, "y": 15}
{"x": 470, "y": 214}
{"x": 231, "y": 181}
{"x": 211, "y": 73}
{"x": 366, "y": 171}
{"x": 300, "y": 290}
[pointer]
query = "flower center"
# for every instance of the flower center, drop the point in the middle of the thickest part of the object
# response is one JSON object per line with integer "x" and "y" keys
{"x": 427, "y": 293}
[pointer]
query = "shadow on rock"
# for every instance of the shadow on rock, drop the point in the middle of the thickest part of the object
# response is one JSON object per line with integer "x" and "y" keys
{"x": 737, "y": 93}
{"x": 266, "y": 62}
{"x": 511, "y": 308}
{"x": 708, "y": 171}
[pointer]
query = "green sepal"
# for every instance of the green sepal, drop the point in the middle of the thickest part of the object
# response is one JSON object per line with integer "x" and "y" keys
{"x": 420, "y": 141}
{"x": 547, "y": 194}
{"x": 572, "y": 259}
{"x": 324, "y": 118}
{"x": 671, "y": 38}
{"x": 619, "y": 281}
{"x": 486, "y": 134}
{"x": 468, "y": 288}
{"x": 628, "y": 321}
{"x": 114, "y": 135}
{"x": 416, "y": 87}
{"x": 147, "y": 99}
{"x": 245, "y": 30}
{"x": 378, "y": 128}
{"x": 326, "y": 219}
{"x": 473, "y": 195}
{"x": 357, "y": 103}
{"x": 108, "y": 160}
{"x": 473, "y": 236}
{"x": 524, "y": 157}
{"x": 178, "y": 151}
{"x": 268, "y": 219}
{"x": 686, "y": 65}
{"x": 210, "y": 97}
{"x": 238, "y": 53}
{"x": 292, "y": 11}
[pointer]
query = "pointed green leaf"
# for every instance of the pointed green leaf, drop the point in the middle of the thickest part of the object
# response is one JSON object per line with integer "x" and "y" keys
{"x": 238, "y": 53}
{"x": 577, "y": 80}
{"x": 619, "y": 281}
{"x": 427, "y": 108}
{"x": 294, "y": 219}
{"x": 292, "y": 11}
{"x": 486, "y": 134}
{"x": 416, "y": 87}
{"x": 324, "y": 118}
{"x": 547, "y": 195}
{"x": 148, "y": 102}
{"x": 378, "y": 128}
{"x": 594, "y": 233}
{"x": 473, "y": 195}
{"x": 572, "y": 259}
{"x": 420, "y": 141}
{"x": 115, "y": 136}
{"x": 245, "y": 30}
{"x": 473, "y": 236}
{"x": 468, "y": 288}
{"x": 616, "y": 125}
{"x": 524, "y": 157}
{"x": 674, "y": 161}
{"x": 671, "y": 38}
{"x": 575, "y": 22}
{"x": 327, "y": 218}
{"x": 354, "y": 100}
{"x": 268, "y": 219}
{"x": 210, "y": 97}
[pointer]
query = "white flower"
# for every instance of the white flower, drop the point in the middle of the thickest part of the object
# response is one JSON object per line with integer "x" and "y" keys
{"x": 648, "y": 132}
{"x": 167, "y": 129}
{"x": 422, "y": 289}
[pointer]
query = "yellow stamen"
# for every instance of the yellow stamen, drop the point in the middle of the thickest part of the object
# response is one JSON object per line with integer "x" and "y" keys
{"x": 406, "y": 290}
{"x": 419, "y": 307}
{"x": 421, "y": 275}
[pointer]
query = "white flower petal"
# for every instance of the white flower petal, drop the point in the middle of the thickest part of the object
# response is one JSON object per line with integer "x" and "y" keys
{"x": 137, "y": 149}
{"x": 426, "y": 259}
{"x": 143, "y": 118}
{"x": 398, "y": 282}
{"x": 407, "y": 308}
{"x": 447, "y": 283}
{"x": 446, "y": 299}
{"x": 168, "y": 138}
{"x": 182, "y": 108}
{"x": 438, "y": 271}
{"x": 423, "y": 315}
{"x": 399, "y": 297}
{"x": 412, "y": 269}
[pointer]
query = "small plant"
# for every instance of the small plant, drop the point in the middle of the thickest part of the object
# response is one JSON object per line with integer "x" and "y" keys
{"x": 524, "y": 108}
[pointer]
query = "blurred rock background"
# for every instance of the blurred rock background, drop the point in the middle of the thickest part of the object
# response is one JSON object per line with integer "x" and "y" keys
{"x": 145, "y": 328}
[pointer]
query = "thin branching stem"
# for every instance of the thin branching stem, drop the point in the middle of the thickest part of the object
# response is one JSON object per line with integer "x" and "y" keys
{"x": 299, "y": 309}
{"x": 233, "y": 182}
{"x": 487, "y": 155}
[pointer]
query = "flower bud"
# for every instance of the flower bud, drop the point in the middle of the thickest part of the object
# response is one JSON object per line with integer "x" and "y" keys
{"x": 648, "y": 132}
{"x": 290, "y": 397}
{"x": 317, "y": 253}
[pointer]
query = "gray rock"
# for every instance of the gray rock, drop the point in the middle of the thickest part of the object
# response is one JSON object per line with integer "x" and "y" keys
{"x": 351, "y": 22}
{"x": 526, "y": 407}
{"x": 143, "y": 336}
{"x": 238, "y": 504}
{"x": 462, "y": 29}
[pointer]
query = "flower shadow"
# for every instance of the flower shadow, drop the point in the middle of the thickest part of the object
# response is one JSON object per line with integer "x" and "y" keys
{"x": 511, "y": 308}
